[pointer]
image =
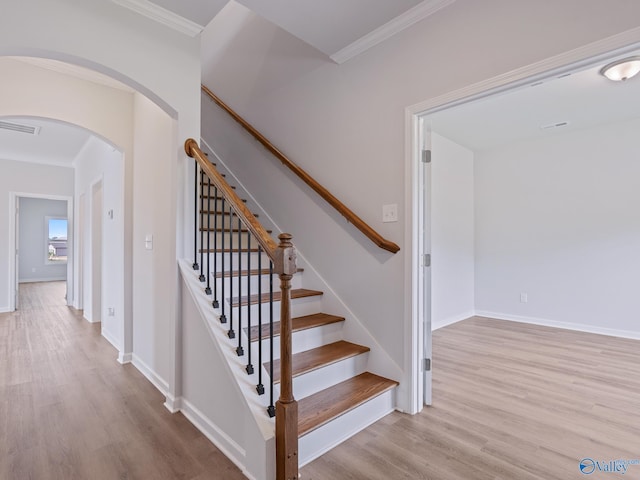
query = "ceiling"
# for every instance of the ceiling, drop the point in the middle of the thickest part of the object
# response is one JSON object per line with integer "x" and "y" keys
{"x": 583, "y": 99}
{"x": 56, "y": 143}
{"x": 340, "y": 29}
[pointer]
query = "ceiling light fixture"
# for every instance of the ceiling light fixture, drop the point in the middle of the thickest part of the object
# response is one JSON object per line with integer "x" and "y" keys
{"x": 622, "y": 70}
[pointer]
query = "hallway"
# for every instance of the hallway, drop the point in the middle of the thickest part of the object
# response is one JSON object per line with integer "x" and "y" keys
{"x": 68, "y": 410}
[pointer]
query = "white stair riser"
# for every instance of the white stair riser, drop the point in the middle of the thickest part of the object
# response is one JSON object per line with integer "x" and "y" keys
{"x": 306, "y": 339}
{"x": 323, "y": 439}
{"x": 234, "y": 258}
{"x": 329, "y": 375}
{"x": 299, "y": 308}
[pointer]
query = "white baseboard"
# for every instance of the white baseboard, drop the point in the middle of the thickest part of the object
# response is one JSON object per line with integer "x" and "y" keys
{"x": 579, "y": 327}
{"x": 172, "y": 403}
{"x": 125, "y": 358}
{"x": 5, "y": 310}
{"x": 152, "y": 376}
{"x": 90, "y": 320}
{"x": 451, "y": 320}
{"x": 221, "y": 440}
{"x": 42, "y": 279}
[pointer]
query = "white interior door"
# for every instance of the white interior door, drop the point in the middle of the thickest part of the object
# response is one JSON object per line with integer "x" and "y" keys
{"x": 17, "y": 253}
{"x": 425, "y": 248}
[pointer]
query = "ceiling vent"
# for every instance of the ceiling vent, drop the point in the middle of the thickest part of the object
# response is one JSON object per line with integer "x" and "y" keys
{"x": 18, "y": 127}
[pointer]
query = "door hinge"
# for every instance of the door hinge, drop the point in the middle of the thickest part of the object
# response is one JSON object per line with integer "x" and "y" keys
{"x": 426, "y": 156}
{"x": 427, "y": 364}
{"x": 426, "y": 260}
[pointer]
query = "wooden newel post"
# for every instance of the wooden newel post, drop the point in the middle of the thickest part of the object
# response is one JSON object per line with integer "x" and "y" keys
{"x": 286, "y": 406}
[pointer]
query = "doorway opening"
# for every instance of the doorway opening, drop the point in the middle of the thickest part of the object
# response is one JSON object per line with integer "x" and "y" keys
{"x": 42, "y": 238}
{"x": 424, "y": 122}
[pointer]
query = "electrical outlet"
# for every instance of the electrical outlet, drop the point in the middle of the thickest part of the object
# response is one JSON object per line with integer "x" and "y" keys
{"x": 524, "y": 298}
{"x": 390, "y": 213}
{"x": 111, "y": 311}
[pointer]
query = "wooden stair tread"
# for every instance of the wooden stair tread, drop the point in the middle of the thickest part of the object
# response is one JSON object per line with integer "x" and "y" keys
{"x": 295, "y": 293}
{"x": 213, "y": 197}
{"x": 320, "y": 408}
{"x": 298, "y": 324}
{"x": 226, "y": 230}
{"x": 315, "y": 358}
{"x": 255, "y": 271}
{"x": 229, "y": 250}
{"x": 213, "y": 212}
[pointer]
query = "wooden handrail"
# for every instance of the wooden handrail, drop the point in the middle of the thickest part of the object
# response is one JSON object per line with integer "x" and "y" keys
{"x": 351, "y": 217}
{"x": 265, "y": 240}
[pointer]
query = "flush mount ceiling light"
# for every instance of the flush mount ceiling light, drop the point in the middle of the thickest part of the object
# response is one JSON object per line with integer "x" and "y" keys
{"x": 622, "y": 70}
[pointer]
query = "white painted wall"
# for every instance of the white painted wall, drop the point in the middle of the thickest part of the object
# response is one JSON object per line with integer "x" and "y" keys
{"x": 99, "y": 161}
{"x": 24, "y": 178}
{"x": 557, "y": 219}
{"x": 452, "y": 232}
{"x": 345, "y": 124}
{"x": 153, "y": 270}
{"x": 32, "y": 240}
{"x": 153, "y": 59}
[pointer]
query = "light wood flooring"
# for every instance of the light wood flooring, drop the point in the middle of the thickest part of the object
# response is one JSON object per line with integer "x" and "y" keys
{"x": 511, "y": 401}
{"x": 69, "y": 411}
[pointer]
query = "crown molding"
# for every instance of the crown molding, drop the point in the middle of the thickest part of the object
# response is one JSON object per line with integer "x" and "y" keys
{"x": 162, "y": 15}
{"x": 398, "y": 24}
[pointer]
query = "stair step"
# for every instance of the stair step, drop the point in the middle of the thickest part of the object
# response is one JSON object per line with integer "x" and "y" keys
{"x": 277, "y": 296}
{"x": 213, "y": 197}
{"x": 229, "y": 250}
{"x": 235, "y": 273}
{"x": 315, "y": 358}
{"x": 227, "y": 230}
{"x": 320, "y": 408}
{"x": 298, "y": 324}
{"x": 213, "y": 212}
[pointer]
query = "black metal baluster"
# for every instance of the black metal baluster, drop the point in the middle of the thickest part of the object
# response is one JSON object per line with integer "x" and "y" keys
{"x": 216, "y": 304}
{"x": 249, "y": 364}
{"x": 231, "y": 333}
{"x": 195, "y": 265}
{"x": 240, "y": 350}
{"x": 271, "y": 409}
{"x": 202, "y": 279}
{"x": 223, "y": 317}
{"x": 260, "y": 386}
{"x": 208, "y": 289}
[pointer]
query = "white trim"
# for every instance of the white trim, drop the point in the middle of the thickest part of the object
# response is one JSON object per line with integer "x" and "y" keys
{"x": 574, "y": 59}
{"x": 162, "y": 15}
{"x": 43, "y": 279}
{"x": 221, "y": 440}
{"x": 5, "y": 310}
{"x": 152, "y": 376}
{"x": 588, "y": 54}
{"x": 172, "y": 403}
{"x": 124, "y": 358}
{"x": 90, "y": 320}
{"x": 451, "y": 320}
{"x": 389, "y": 29}
{"x": 578, "y": 327}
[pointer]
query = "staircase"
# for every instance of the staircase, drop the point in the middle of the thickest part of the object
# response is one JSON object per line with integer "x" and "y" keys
{"x": 336, "y": 395}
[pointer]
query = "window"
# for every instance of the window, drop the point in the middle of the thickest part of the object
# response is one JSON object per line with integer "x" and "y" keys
{"x": 56, "y": 230}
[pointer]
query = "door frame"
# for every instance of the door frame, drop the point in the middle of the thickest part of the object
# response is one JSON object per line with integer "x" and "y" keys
{"x": 415, "y": 245}
{"x": 13, "y": 228}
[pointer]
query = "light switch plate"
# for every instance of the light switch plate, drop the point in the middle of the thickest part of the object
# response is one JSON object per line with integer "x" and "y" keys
{"x": 390, "y": 213}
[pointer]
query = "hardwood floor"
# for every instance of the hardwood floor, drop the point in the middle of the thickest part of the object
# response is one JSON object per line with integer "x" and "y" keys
{"x": 511, "y": 401}
{"x": 68, "y": 410}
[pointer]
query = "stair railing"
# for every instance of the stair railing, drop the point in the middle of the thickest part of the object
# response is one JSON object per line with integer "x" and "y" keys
{"x": 346, "y": 212}
{"x": 215, "y": 197}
